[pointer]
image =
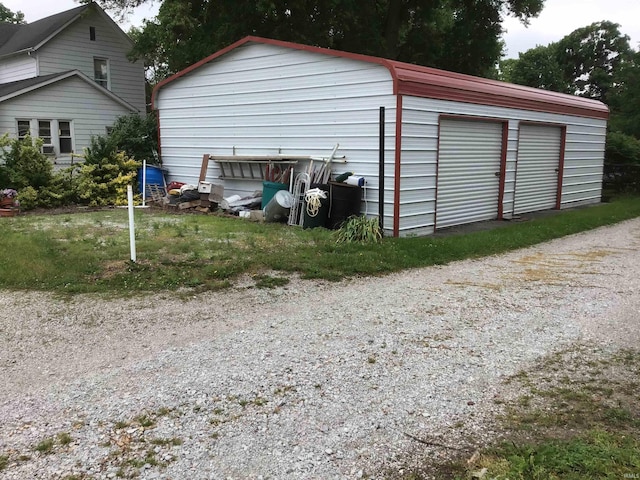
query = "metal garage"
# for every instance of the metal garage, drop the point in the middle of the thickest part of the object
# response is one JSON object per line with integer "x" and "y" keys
{"x": 452, "y": 148}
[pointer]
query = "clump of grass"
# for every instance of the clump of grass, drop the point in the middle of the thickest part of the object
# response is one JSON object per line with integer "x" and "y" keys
{"x": 360, "y": 229}
{"x": 45, "y": 446}
{"x": 64, "y": 438}
{"x": 268, "y": 281}
{"x": 4, "y": 462}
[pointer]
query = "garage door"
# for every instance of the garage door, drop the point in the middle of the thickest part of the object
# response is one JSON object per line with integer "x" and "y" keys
{"x": 537, "y": 171}
{"x": 469, "y": 155}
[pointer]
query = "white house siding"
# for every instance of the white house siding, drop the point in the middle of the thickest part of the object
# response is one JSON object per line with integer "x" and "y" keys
{"x": 72, "y": 99}
{"x": 584, "y": 156}
{"x": 264, "y": 99}
{"x": 73, "y": 50}
{"x": 17, "y": 68}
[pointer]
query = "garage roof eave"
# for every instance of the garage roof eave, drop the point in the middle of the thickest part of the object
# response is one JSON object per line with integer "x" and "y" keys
{"x": 427, "y": 82}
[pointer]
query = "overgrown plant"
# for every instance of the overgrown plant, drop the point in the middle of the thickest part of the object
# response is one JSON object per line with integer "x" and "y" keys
{"x": 360, "y": 229}
{"x": 24, "y": 163}
{"x": 104, "y": 176}
{"x": 137, "y": 136}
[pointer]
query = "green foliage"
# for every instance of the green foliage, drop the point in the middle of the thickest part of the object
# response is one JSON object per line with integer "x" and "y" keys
{"x": 360, "y": 229}
{"x": 8, "y": 16}
{"x": 24, "y": 163}
{"x": 591, "y": 56}
{"x": 28, "y": 198}
{"x": 622, "y": 149}
{"x": 103, "y": 178}
{"x": 137, "y": 136}
{"x": 457, "y": 35}
{"x": 539, "y": 68}
{"x": 625, "y": 105}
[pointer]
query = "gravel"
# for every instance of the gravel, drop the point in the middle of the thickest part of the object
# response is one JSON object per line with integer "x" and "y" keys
{"x": 358, "y": 379}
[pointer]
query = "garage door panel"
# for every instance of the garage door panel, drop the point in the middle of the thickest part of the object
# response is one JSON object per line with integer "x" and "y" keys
{"x": 469, "y": 157}
{"x": 539, "y": 153}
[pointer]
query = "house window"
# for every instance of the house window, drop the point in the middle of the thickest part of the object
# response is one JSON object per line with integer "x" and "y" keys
{"x": 64, "y": 136}
{"x": 92, "y": 34}
{"x": 44, "y": 131}
{"x": 101, "y": 71}
{"x": 24, "y": 129}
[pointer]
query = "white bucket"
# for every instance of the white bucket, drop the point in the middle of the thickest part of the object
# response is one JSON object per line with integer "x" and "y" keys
{"x": 277, "y": 210}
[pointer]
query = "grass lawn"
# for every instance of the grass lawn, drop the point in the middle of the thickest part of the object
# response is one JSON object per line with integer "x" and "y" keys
{"x": 89, "y": 252}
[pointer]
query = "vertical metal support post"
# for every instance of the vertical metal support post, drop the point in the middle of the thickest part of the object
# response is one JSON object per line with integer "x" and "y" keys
{"x": 144, "y": 182}
{"x": 381, "y": 171}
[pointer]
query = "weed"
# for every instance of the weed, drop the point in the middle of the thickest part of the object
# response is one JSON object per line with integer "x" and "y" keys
{"x": 175, "y": 441}
{"x": 266, "y": 281}
{"x": 371, "y": 359}
{"x": 145, "y": 421}
{"x": 360, "y": 229}
{"x": 4, "y": 461}
{"x": 64, "y": 438}
{"x": 119, "y": 425}
{"x": 45, "y": 446}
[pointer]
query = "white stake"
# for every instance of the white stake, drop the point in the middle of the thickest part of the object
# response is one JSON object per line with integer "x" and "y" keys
{"x": 144, "y": 182}
{"x": 132, "y": 233}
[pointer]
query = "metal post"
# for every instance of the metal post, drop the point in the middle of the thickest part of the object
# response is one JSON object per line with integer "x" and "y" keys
{"x": 381, "y": 172}
{"x": 144, "y": 182}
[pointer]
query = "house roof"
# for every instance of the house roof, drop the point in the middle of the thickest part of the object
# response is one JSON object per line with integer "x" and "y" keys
{"x": 30, "y": 36}
{"x": 420, "y": 81}
{"x": 15, "y": 89}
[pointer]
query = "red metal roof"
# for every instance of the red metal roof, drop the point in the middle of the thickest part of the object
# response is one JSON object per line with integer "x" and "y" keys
{"x": 419, "y": 81}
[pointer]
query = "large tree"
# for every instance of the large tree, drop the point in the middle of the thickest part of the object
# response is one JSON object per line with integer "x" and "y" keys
{"x": 537, "y": 67}
{"x": 7, "y": 16}
{"x": 591, "y": 56}
{"x": 459, "y": 35}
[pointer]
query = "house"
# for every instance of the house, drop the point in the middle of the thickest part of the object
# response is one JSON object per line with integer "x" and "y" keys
{"x": 452, "y": 148}
{"x": 66, "y": 78}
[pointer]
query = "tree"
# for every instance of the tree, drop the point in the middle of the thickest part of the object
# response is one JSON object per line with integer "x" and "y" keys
{"x": 8, "y": 16}
{"x": 458, "y": 35}
{"x": 591, "y": 56}
{"x": 625, "y": 102}
{"x": 539, "y": 68}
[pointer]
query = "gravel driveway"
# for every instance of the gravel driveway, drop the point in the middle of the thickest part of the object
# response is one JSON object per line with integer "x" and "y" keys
{"x": 312, "y": 381}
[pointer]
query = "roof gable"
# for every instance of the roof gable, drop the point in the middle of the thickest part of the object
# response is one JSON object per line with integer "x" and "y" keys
{"x": 31, "y": 36}
{"x": 427, "y": 82}
{"x": 21, "y": 87}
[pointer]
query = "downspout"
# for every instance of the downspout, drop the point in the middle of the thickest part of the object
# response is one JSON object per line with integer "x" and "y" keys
{"x": 396, "y": 179}
{"x": 381, "y": 172}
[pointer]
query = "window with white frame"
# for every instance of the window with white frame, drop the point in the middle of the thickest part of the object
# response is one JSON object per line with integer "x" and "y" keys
{"x": 101, "y": 72}
{"x": 65, "y": 141}
{"x": 56, "y": 135}
{"x": 24, "y": 129}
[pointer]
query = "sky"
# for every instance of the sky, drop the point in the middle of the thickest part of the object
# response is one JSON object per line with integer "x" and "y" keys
{"x": 558, "y": 18}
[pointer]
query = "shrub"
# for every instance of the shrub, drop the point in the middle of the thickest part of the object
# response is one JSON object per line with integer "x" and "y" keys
{"x": 28, "y": 198}
{"x": 24, "y": 163}
{"x": 137, "y": 136}
{"x": 104, "y": 176}
{"x": 622, "y": 149}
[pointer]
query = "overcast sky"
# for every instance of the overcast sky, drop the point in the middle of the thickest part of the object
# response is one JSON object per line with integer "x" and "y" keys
{"x": 558, "y": 18}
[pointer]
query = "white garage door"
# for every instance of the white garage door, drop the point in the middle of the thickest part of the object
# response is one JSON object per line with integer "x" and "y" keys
{"x": 468, "y": 171}
{"x": 537, "y": 171}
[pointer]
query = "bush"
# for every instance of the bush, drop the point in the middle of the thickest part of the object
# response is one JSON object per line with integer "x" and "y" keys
{"x": 622, "y": 149}
{"x": 104, "y": 176}
{"x": 24, "y": 163}
{"x": 137, "y": 136}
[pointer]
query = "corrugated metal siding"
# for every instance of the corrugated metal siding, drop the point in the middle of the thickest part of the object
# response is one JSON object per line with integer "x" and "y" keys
{"x": 17, "y": 68}
{"x": 263, "y": 99}
{"x": 72, "y": 50}
{"x": 538, "y": 163}
{"x": 71, "y": 99}
{"x": 584, "y": 153}
{"x": 469, "y": 157}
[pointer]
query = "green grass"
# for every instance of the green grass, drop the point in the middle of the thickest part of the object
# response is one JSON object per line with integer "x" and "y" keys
{"x": 89, "y": 252}
{"x": 583, "y": 423}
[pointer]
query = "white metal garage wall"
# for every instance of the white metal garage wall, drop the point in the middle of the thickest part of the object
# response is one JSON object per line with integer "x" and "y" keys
{"x": 264, "y": 100}
{"x": 469, "y": 161}
{"x": 537, "y": 171}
